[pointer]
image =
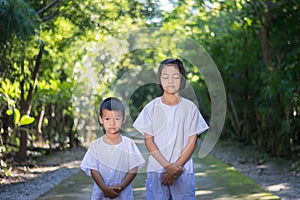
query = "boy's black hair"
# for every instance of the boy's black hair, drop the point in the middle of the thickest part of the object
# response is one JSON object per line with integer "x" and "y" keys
{"x": 112, "y": 103}
{"x": 176, "y": 62}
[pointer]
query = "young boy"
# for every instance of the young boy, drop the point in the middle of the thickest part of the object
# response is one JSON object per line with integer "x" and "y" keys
{"x": 112, "y": 160}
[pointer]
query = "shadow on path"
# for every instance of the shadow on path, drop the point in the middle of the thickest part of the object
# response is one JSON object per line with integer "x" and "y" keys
{"x": 214, "y": 180}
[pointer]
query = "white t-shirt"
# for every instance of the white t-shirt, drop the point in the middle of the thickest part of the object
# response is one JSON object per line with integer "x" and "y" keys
{"x": 113, "y": 162}
{"x": 171, "y": 126}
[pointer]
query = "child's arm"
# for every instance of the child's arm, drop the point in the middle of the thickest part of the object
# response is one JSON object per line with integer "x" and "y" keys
{"x": 111, "y": 192}
{"x": 171, "y": 168}
{"x": 187, "y": 151}
{"x": 128, "y": 178}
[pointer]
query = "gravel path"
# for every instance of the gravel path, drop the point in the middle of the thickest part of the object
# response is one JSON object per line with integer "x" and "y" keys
{"x": 33, "y": 188}
{"x": 30, "y": 183}
{"x": 273, "y": 174}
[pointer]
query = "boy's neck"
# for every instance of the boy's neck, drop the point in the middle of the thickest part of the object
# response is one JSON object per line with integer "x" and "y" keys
{"x": 170, "y": 99}
{"x": 112, "y": 138}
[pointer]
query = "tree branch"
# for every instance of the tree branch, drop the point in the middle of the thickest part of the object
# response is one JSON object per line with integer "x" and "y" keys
{"x": 48, "y": 17}
{"x": 35, "y": 74}
{"x": 256, "y": 11}
{"x": 47, "y": 7}
{"x": 53, "y": 3}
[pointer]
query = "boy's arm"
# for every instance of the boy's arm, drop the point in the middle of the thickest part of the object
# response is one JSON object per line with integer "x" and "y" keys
{"x": 111, "y": 192}
{"x": 128, "y": 178}
{"x": 188, "y": 150}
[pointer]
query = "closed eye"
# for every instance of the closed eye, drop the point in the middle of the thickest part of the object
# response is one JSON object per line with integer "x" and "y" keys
{"x": 165, "y": 76}
{"x": 176, "y": 76}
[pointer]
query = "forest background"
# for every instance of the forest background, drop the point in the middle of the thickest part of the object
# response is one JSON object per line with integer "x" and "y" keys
{"x": 56, "y": 66}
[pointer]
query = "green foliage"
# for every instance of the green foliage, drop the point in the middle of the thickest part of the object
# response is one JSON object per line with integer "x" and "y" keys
{"x": 10, "y": 91}
{"x": 17, "y": 20}
{"x": 82, "y": 63}
{"x": 296, "y": 166}
{"x": 25, "y": 120}
{"x": 4, "y": 167}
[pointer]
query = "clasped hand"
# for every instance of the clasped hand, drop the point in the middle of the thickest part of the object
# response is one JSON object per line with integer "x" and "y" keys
{"x": 112, "y": 191}
{"x": 173, "y": 171}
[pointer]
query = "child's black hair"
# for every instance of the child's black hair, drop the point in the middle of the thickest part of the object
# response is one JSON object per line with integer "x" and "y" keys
{"x": 176, "y": 62}
{"x": 112, "y": 103}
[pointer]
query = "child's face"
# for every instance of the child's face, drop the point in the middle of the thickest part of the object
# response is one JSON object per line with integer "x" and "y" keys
{"x": 112, "y": 121}
{"x": 170, "y": 79}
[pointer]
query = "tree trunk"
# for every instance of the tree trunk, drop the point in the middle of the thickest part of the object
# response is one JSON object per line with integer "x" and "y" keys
{"x": 27, "y": 104}
{"x": 40, "y": 124}
{"x": 263, "y": 36}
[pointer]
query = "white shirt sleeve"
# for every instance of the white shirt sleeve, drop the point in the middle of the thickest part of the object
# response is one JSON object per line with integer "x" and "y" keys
{"x": 197, "y": 123}
{"x": 89, "y": 162}
{"x": 143, "y": 122}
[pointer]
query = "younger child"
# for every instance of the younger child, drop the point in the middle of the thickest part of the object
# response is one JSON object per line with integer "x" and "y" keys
{"x": 112, "y": 160}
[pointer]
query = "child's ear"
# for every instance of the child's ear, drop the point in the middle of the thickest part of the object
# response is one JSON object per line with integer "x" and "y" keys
{"x": 100, "y": 119}
{"x": 124, "y": 119}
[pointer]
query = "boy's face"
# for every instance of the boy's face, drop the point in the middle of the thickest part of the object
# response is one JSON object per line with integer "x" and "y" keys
{"x": 170, "y": 79}
{"x": 112, "y": 121}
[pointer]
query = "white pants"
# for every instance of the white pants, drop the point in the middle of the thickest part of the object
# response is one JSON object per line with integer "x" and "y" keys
{"x": 183, "y": 187}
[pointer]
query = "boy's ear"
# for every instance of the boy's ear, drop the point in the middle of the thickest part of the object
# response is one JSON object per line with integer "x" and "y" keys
{"x": 100, "y": 119}
{"x": 124, "y": 119}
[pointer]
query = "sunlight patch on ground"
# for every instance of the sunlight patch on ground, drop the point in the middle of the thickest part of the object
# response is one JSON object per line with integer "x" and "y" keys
{"x": 139, "y": 141}
{"x": 203, "y": 192}
{"x": 277, "y": 187}
{"x": 261, "y": 196}
{"x": 139, "y": 189}
{"x": 231, "y": 169}
{"x": 200, "y": 174}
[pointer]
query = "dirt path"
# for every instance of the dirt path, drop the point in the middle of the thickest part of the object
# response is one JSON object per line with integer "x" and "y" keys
{"x": 214, "y": 180}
